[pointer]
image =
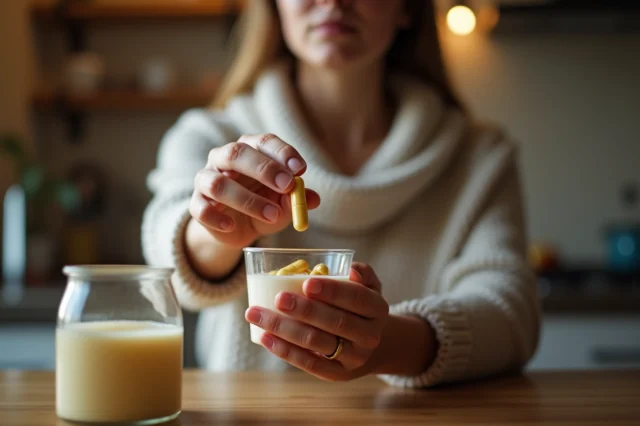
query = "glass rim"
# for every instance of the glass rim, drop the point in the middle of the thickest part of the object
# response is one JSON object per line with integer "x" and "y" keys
{"x": 116, "y": 271}
{"x": 297, "y": 251}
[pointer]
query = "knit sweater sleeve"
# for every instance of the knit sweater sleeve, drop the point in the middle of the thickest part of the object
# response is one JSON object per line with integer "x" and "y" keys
{"x": 486, "y": 315}
{"x": 183, "y": 151}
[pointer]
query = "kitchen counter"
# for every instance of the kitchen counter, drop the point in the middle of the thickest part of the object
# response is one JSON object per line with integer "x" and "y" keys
{"x": 554, "y": 398}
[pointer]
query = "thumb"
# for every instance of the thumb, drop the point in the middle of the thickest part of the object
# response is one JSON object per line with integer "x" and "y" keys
{"x": 364, "y": 274}
{"x": 355, "y": 276}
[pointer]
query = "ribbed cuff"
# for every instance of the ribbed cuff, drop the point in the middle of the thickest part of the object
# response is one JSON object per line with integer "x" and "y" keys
{"x": 452, "y": 330}
{"x": 193, "y": 292}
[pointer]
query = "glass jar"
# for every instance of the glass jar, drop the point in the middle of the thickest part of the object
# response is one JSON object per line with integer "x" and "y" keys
{"x": 118, "y": 346}
{"x": 264, "y": 282}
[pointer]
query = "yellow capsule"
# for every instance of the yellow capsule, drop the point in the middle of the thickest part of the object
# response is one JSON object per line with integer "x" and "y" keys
{"x": 299, "y": 206}
{"x": 273, "y": 272}
{"x": 320, "y": 269}
{"x": 297, "y": 267}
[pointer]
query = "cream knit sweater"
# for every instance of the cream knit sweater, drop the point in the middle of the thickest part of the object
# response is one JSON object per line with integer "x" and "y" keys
{"x": 436, "y": 211}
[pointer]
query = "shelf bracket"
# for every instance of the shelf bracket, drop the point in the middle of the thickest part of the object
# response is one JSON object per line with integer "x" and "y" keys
{"x": 77, "y": 42}
{"x": 76, "y": 34}
{"x": 76, "y": 122}
{"x": 77, "y": 37}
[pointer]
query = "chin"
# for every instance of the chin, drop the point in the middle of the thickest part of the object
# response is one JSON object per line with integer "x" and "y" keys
{"x": 336, "y": 58}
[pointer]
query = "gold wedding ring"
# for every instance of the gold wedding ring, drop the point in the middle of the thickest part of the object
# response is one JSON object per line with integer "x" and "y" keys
{"x": 338, "y": 350}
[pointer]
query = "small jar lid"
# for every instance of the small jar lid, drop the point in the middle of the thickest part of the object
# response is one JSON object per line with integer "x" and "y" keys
{"x": 118, "y": 272}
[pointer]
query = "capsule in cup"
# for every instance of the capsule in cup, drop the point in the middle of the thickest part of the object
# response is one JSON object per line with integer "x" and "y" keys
{"x": 297, "y": 267}
{"x": 320, "y": 269}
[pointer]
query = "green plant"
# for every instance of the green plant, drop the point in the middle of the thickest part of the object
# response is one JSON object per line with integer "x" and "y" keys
{"x": 41, "y": 189}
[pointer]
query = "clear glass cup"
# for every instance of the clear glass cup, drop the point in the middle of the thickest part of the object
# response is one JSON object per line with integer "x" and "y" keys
{"x": 119, "y": 346}
{"x": 263, "y": 263}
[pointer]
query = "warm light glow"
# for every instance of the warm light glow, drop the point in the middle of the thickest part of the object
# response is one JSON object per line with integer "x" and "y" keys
{"x": 461, "y": 20}
{"x": 488, "y": 17}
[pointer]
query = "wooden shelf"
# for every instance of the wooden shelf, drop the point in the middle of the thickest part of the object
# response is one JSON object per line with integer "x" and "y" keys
{"x": 179, "y": 9}
{"x": 123, "y": 100}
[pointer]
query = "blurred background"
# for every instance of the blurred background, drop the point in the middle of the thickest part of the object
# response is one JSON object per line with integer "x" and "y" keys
{"x": 88, "y": 87}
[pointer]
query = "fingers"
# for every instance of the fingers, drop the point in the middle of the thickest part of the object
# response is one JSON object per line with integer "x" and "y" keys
{"x": 300, "y": 334}
{"x": 313, "y": 199}
{"x": 304, "y": 359}
{"x": 221, "y": 189}
{"x": 306, "y": 337}
{"x": 364, "y": 274}
{"x": 243, "y": 159}
{"x": 252, "y": 176}
{"x": 278, "y": 150}
{"x": 355, "y": 276}
{"x": 333, "y": 321}
{"x": 264, "y": 158}
{"x": 208, "y": 215}
{"x": 347, "y": 295}
{"x": 263, "y": 228}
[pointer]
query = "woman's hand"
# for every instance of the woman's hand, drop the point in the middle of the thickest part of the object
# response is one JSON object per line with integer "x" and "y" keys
{"x": 241, "y": 194}
{"x": 354, "y": 311}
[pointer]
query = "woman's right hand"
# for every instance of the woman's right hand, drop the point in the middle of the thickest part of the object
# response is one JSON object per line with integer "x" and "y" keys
{"x": 243, "y": 192}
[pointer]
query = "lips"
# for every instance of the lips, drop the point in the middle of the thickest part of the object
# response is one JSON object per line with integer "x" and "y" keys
{"x": 334, "y": 28}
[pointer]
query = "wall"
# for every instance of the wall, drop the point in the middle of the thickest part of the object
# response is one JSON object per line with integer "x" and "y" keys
{"x": 572, "y": 101}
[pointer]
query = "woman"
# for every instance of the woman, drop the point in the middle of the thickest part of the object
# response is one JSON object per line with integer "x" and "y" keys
{"x": 353, "y": 95}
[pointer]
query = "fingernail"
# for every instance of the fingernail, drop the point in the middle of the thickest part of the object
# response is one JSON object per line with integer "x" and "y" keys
{"x": 254, "y": 316}
{"x": 267, "y": 341}
{"x": 283, "y": 180}
{"x": 358, "y": 275}
{"x": 226, "y": 224}
{"x": 314, "y": 287}
{"x": 286, "y": 302}
{"x": 295, "y": 165}
{"x": 270, "y": 213}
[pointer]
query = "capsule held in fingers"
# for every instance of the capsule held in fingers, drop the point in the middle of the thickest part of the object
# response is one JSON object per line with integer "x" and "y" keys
{"x": 297, "y": 267}
{"x": 299, "y": 212}
{"x": 320, "y": 269}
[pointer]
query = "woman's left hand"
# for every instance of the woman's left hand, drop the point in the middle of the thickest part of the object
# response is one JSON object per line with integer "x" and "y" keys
{"x": 354, "y": 311}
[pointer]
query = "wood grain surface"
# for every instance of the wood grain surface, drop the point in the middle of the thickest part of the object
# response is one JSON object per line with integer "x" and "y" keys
{"x": 554, "y": 398}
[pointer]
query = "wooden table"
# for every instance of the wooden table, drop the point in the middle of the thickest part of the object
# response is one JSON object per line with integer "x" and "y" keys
{"x": 580, "y": 398}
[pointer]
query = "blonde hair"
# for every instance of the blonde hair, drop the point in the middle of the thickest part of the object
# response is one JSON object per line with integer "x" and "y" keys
{"x": 415, "y": 51}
